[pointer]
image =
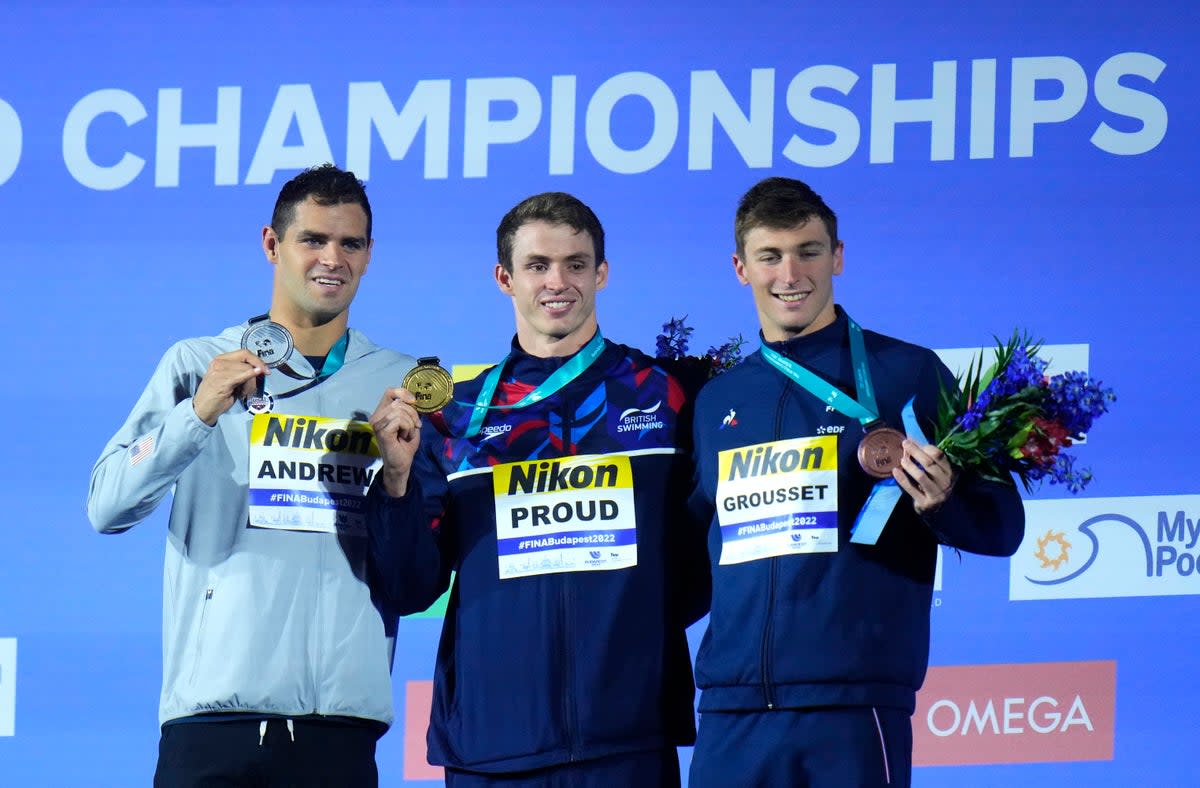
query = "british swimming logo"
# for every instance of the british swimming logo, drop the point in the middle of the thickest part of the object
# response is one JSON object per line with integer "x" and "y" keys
{"x": 640, "y": 420}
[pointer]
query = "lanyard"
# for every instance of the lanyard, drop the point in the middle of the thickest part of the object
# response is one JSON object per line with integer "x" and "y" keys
{"x": 864, "y": 408}
{"x": 571, "y": 369}
{"x": 335, "y": 358}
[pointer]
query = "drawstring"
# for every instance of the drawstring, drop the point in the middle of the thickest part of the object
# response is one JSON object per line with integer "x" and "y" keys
{"x": 262, "y": 731}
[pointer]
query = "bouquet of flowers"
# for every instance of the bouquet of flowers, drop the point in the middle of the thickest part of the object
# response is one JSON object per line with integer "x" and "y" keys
{"x": 672, "y": 346}
{"x": 1012, "y": 418}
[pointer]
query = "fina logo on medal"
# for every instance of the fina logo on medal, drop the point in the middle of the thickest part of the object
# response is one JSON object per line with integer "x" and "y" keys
{"x": 1108, "y": 547}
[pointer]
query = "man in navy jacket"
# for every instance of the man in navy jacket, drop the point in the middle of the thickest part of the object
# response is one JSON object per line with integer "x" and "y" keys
{"x": 554, "y": 486}
{"x": 817, "y": 645}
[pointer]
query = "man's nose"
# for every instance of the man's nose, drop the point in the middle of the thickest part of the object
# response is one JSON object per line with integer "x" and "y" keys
{"x": 331, "y": 255}
{"x": 555, "y": 278}
{"x": 791, "y": 268}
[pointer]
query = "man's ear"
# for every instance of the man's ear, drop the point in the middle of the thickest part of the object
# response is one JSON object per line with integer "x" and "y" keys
{"x": 503, "y": 279}
{"x": 739, "y": 268}
{"x": 601, "y": 274}
{"x": 270, "y": 244}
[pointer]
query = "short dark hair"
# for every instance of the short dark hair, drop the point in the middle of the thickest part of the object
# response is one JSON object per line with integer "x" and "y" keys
{"x": 552, "y": 208}
{"x": 780, "y": 204}
{"x": 327, "y": 185}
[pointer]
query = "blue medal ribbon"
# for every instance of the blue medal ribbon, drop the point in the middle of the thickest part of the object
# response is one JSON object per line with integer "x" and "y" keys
{"x": 886, "y": 492}
{"x": 571, "y": 369}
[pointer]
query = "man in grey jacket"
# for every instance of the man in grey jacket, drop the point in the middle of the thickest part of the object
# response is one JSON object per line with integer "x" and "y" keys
{"x": 276, "y": 661}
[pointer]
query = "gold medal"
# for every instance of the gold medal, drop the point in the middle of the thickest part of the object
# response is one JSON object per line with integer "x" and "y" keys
{"x": 430, "y": 384}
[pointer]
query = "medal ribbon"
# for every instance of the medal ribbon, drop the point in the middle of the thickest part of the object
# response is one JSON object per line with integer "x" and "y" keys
{"x": 886, "y": 492}
{"x": 334, "y": 360}
{"x": 573, "y": 368}
{"x": 869, "y": 523}
{"x": 866, "y": 410}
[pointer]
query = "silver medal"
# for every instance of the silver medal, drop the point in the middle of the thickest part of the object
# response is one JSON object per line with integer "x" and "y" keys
{"x": 273, "y": 344}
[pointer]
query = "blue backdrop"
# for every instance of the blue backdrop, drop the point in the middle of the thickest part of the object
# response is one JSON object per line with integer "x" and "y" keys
{"x": 1000, "y": 165}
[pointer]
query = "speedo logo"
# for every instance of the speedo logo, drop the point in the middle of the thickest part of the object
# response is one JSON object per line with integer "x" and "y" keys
{"x": 639, "y": 419}
{"x": 493, "y": 430}
{"x": 298, "y": 432}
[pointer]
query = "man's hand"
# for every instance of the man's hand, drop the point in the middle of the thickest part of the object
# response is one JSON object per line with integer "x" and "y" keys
{"x": 926, "y": 475}
{"x": 229, "y": 378}
{"x": 397, "y": 428}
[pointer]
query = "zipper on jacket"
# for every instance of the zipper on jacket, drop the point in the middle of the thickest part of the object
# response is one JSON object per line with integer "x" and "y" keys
{"x": 318, "y": 613}
{"x": 772, "y": 573}
{"x": 569, "y": 708}
{"x": 208, "y": 595}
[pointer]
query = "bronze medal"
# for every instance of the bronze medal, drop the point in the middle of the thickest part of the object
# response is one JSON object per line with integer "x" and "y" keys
{"x": 430, "y": 384}
{"x": 880, "y": 451}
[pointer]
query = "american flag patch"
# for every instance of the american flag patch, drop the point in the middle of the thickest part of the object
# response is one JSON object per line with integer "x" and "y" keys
{"x": 141, "y": 450}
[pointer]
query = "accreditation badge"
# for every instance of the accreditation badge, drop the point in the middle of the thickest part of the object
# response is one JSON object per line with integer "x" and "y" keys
{"x": 570, "y": 514}
{"x": 778, "y": 498}
{"x": 309, "y": 473}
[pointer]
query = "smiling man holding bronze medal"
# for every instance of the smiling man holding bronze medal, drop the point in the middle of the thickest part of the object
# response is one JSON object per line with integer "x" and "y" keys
{"x": 554, "y": 486}
{"x": 818, "y": 637}
{"x": 276, "y": 660}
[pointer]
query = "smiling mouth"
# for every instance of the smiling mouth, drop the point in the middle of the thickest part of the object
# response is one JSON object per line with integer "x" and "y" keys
{"x": 556, "y": 305}
{"x": 327, "y": 282}
{"x": 791, "y": 298}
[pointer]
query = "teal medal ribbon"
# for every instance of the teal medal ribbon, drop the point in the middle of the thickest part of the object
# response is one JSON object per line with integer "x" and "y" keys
{"x": 335, "y": 358}
{"x": 276, "y": 354}
{"x": 333, "y": 362}
{"x": 886, "y": 493}
{"x": 866, "y": 411}
{"x": 571, "y": 369}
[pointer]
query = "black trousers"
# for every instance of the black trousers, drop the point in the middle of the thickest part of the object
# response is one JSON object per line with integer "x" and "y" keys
{"x": 841, "y": 747}
{"x": 659, "y": 769}
{"x": 251, "y": 753}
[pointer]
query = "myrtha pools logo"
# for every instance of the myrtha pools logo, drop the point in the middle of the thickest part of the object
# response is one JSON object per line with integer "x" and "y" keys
{"x": 1108, "y": 547}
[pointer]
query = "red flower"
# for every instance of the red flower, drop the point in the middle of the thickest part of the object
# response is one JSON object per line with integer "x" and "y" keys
{"x": 1045, "y": 440}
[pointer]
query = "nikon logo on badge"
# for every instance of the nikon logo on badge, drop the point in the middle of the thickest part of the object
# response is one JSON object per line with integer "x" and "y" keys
{"x": 767, "y": 459}
{"x": 1108, "y": 547}
{"x": 8, "y": 686}
{"x": 299, "y": 432}
{"x": 555, "y": 476}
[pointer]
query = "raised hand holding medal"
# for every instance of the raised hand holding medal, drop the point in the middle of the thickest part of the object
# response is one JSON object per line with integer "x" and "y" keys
{"x": 427, "y": 388}
{"x": 430, "y": 384}
{"x": 273, "y": 345}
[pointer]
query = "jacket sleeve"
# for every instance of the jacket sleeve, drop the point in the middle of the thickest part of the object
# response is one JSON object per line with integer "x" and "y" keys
{"x": 158, "y": 441}
{"x": 408, "y": 538}
{"x": 696, "y": 516}
{"x": 980, "y": 516}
